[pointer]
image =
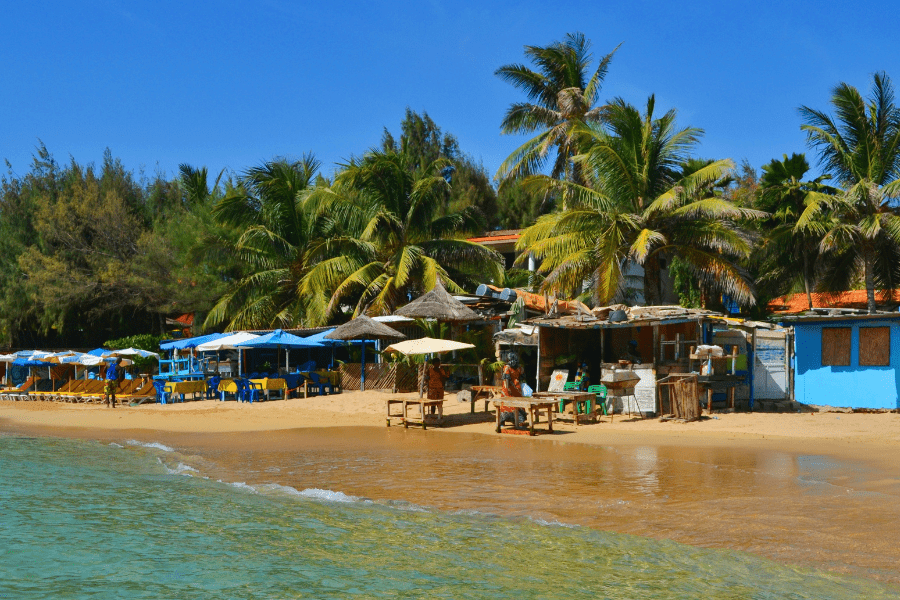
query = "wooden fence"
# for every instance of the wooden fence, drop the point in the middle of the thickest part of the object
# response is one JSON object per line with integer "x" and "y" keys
{"x": 383, "y": 376}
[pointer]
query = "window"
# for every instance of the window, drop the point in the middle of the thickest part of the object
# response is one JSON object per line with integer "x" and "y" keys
{"x": 836, "y": 346}
{"x": 875, "y": 346}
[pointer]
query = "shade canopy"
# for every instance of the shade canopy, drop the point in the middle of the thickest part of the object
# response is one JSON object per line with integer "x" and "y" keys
{"x": 192, "y": 342}
{"x": 364, "y": 328}
{"x": 132, "y": 352}
{"x": 438, "y": 304}
{"x": 427, "y": 346}
{"x": 229, "y": 342}
{"x": 280, "y": 339}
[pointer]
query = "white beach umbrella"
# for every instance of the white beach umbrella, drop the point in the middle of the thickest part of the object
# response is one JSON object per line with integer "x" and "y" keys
{"x": 132, "y": 352}
{"x": 427, "y": 345}
{"x": 231, "y": 342}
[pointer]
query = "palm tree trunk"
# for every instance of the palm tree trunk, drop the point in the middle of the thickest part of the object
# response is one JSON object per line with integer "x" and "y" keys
{"x": 806, "y": 279}
{"x": 870, "y": 282}
{"x": 651, "y": 281}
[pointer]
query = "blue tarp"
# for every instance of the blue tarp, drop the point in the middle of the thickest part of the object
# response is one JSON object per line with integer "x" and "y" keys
{"x": 25, "y": 362}
{"x": 191, "y": 342}
{"x": 280, "y": 339}
{"x": 98, "y": 351}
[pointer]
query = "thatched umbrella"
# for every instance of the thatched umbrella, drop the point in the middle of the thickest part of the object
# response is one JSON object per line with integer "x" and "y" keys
{"x": 439, "y": 305}
{"x": 364, "y": 328}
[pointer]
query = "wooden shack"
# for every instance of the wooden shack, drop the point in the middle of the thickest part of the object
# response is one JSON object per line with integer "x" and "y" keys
{"x": 662, "y": 336}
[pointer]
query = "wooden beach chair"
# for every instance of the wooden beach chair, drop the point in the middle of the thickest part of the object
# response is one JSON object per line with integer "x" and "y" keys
{"x": 19, "y": 393}
{"x": 145, "y": 393}
{"x": 53, "y": 395}
{"x": 92, "y": 386}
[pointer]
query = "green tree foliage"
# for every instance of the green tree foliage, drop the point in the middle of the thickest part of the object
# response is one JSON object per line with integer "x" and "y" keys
{"x": 562, "y": 93}
{"x": 270, "y": 207}
{"x": 788, "y": 256}
{"x": 397, "y": 238}
{"x": 423, "y": 142}
{"x": 860, "y": 148}
{"x": 90, "y": 251}
{"x": 641, "y": 205}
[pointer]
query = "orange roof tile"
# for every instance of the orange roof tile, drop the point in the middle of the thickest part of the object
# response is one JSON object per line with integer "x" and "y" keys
{"x": 797, "y": 303}
{"x": 494, "y": 238}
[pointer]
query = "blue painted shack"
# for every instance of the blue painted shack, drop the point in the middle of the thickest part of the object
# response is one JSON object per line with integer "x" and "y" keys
{"x": 847, "y": 359}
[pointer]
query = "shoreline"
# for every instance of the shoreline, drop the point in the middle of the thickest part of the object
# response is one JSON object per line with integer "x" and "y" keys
{"x": 869, "y": 437}
{"x": 808, "y": 489}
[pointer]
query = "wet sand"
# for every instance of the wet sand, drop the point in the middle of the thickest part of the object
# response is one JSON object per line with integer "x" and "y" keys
{"x": 819, "y": 490}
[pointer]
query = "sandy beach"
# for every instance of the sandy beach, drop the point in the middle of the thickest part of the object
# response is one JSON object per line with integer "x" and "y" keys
{"x": 816, "y": 489}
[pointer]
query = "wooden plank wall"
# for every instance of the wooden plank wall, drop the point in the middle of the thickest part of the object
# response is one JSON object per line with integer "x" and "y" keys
{"x": 836, "y": 346}
{"x": 875, "y": 346}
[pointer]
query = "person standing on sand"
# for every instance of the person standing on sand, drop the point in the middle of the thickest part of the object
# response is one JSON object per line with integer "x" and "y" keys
{"x": 112, "y": 381}
{"x": 436, "y": 378}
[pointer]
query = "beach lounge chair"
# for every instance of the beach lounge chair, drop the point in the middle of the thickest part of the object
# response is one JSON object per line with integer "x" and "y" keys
{"x": 18, "y": 392}
{"x": 144, "y": 393}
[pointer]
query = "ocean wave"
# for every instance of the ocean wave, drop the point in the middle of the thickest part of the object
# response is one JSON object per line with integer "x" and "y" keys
{"x": 310, "y": 493}
{"x": 179, "y": 469}
{"x": 156, "y": 445}
{"x": 115, "y": 445}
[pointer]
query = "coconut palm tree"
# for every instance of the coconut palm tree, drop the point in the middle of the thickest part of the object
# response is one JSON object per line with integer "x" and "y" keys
{"x": 271, "y": 207}
{"x": 860, "y": 148}
{"x": 561, "y": 94}
{"x": 788, "y": 256}
{"x": 396, "y": 238}
{"x": 638, "y": 208}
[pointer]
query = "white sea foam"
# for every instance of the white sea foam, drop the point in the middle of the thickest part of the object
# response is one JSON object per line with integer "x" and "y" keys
{"x": 156, "y": 445}
{"x": 179, "y": 469}
{"x": 311, "y": 493}
{"x": 115, "y": 445}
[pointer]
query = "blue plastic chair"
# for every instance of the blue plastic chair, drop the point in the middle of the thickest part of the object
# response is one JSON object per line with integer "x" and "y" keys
{"x": 161, "y": 394}
{"x": 316, "y": 382}
{"x": 249, "y": 391}
{"x": 212, "y": 387}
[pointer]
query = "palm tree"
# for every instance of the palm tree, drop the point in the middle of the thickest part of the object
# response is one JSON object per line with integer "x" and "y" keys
{"x": 860, "y": 148}
{"x": 561, "y": 94}
{"x": 395, "y": 242}
{"x": 789, "y": 256}
{"x": 639, "y": 207}
{"x": 272, "y": 210}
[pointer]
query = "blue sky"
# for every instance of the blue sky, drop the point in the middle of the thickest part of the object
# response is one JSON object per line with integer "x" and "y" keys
{"x": 231, "y": 84}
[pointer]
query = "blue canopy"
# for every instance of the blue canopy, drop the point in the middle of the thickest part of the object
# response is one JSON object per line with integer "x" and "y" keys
{"x": 279, "y": 339}
{"x": 98, "y": 351}
{"x": 26, "y": 362}
{"x": 191, "y": 342}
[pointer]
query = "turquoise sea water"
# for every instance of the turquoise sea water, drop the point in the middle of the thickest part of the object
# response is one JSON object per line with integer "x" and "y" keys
{"x": 83, "y": 519}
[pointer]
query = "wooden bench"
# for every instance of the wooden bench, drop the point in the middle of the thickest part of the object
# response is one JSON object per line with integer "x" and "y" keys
{"x": 424, "y": 417}
{"x": 486, "y": 393}
{"x": 533, "y": 408}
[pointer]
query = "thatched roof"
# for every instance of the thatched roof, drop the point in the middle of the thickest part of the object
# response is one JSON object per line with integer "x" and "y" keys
{"x": 364, "y": 328}
{"x": 439, "y": 305}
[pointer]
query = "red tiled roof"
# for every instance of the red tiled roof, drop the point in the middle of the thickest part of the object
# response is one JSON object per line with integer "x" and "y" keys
{"x": 495, "y": 238}
{"x": 797, "y": 303}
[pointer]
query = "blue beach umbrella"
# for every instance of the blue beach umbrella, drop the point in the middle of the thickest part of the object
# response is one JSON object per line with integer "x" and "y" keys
{"x": 279, "y": 339}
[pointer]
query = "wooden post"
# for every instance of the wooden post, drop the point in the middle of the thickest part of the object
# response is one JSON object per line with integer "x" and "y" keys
{"x": 480, "y": 375}
{"x": 537, "y": 379}
{"x": 657, "y": 349}
{"x": 679, "y": 340}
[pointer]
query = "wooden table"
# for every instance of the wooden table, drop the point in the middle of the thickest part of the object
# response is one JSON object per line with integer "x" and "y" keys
{"x": 575, "y": 397}
{"x": 533, "y": 407}
{"x": 424, "y": 418}
{"x": 484, "y": 392}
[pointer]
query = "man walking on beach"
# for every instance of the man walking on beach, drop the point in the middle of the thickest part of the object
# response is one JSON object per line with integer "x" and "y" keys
{"x": 112, "y": 381}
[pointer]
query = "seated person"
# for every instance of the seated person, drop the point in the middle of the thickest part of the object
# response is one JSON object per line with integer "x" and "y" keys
{"x": 582, "y": 377}
{"x": 632, "y": 353}
{"x": 512, "y": 387}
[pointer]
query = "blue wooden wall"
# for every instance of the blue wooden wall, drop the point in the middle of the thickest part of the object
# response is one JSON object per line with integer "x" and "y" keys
{"x": 852, "y": 386}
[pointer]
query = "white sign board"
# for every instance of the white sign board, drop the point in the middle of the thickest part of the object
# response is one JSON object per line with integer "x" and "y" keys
{"x": 558, "y": 380}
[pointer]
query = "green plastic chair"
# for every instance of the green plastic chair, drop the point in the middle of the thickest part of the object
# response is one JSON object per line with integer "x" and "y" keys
{"x": 600, "y": 391}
